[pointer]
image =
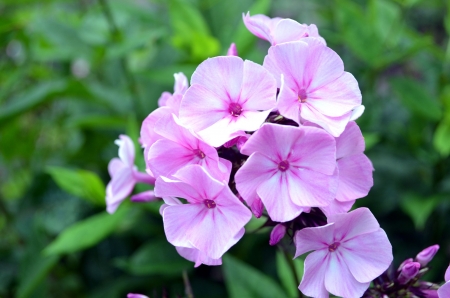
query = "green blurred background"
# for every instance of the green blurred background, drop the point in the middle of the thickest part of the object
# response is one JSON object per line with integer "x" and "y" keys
{"x": 76, "y": 74}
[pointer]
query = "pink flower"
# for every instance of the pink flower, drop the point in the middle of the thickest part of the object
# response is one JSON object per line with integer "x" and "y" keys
{"x": 279, "y": 30}
{"x": 131, "y": 295}
{"x": 212, "y": 217}
{"x": 232, "y": 51}
{"x": 289, "y": 168}
{"x": 444, "y": 290}
{"x": 313, "y": 85}
{"x": 349, "y": 252}
{"x": 178, "y": 147}
{"x": 124, "y": 175}
{"x": 227, "y": 96}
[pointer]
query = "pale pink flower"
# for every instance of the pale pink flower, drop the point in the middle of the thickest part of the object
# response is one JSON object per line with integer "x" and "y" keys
{"x": 313, "y": 85}
{"x": 444, "y": 290}
{"x": 232, "y": 51}
{"x": 289, "y": 169}
{"x": 349, "y": 252}
{"x": 178, "y": 147}
{"x": 124, "y": 175}
{"x": 279, "y": 30}
{"x": 131, "y": 295}
{"x": 212, "y": 217}
{"x": 227, "y": 96}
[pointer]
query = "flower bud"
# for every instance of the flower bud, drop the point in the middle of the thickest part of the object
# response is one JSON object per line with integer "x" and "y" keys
{"x": 426, "y": 255}
{"x": 404, "y": 263}
{"x": 277, "y": 234}
{"x": 408, "y": 272}
{"x": 257, "y": 207}
{"x": 232, "y": 51}
{"x": 131, "y": 295}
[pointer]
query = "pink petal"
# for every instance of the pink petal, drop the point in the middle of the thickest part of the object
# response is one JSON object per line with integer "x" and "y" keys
{"x": 357, "y": 112}
{"x": 232, "y": 51}
{"x": 337, "y": 97}
{"x": 181, "y": 83}
{"x": 289, "y": 30}
{"x": 338, "y": 279}
{"x": 357, "y": 222}
{"x": 148, "y": 135}
{"x": 367, "y": 256}
{"x": 165, "y": 96}
{"x": 222, "y": 75}
{"x": 167, "y": 188}
{"x": 249, "y": 177}
{"x": 334, "y": 125}
{"x": 260, "y": 25}
{"x": 120, "y": 187}
{"x": 337, "y": 207}
{"x": 323, "y": 65}
{"x": 145, "y": 196}
{"x": 444, "y": 290}
{"x": 447, "y": 274}
{"x": 314, "y": 149}
{"x": 126, "y": 150}
{"x": 201, "y": 107}
{"x": 317, "y": 238}
{"x": 275, "y": 194}
{"x": 313, "y": 278}
{"x": 288, "y": 103}
{"x": 131, "y": 295}
{"x": 114, "y": 166}
{"x": 355, "y": 177}
{"x": 198, "y": 257}
{"x": 259, "y": 88}
{"x": 309, "y": 188}
{"x": 350, "y": 142}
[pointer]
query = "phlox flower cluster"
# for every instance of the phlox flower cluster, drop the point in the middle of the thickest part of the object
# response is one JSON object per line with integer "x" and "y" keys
{"x": 277, "y": 140}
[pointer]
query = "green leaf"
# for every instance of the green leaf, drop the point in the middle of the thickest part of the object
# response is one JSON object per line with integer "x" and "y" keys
{"x": 35, "y": 274}
{"x": 285, "y": 273}
{"x": 87, "y": 232}
{"x": 243, "y": 280}
{"x": 418, "y": 208}
{"x": 155, "y": 257}
{"x": 415, "y": 97}
{"x": 31, "y": 98}
{"x": 80, "y": 183}
{"x": 441, "y": 138}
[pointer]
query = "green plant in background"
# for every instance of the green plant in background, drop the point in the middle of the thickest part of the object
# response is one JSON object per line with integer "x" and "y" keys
{"x": 76, "y": 75}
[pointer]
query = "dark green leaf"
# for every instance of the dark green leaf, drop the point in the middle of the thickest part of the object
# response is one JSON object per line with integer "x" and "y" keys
{"x": 35, "y": 274}
{"x": 285, "y": 273}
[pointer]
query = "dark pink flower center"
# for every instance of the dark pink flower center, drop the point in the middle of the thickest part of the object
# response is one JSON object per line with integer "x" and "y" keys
{"x": 235, "y": 109}
{"x": 283, "y": 166}
{"x": 333, "y": 246}
{"x": 302, "y": 96}
{"x": 199, "y": 153}
{"x": 209, "y": 204}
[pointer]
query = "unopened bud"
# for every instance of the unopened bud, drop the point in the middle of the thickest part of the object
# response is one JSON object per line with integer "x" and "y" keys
{"x": 404, "y": 263}
{"x": 257, "y": 207}
{"x": 232, "y": 51}
{"x": 408, "y": 272}
{"x": 426, "y": 255}
{"x": 131, "y": 295}
{"x": 277, "y": 234}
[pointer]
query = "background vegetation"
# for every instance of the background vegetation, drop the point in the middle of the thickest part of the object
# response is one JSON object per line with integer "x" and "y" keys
{"x": 76, "y": 74}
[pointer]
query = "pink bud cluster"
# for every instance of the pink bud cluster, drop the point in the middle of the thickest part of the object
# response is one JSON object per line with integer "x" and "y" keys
{"x": 276, "y": 140}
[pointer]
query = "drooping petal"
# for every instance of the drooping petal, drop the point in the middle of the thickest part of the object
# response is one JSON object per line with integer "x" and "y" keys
{"x": 358, "y": 222}
{"x": 126, "y": 150}
{"x": 288, "y": 30}
{"x": 114, "y": 166}
{"x": 355, "y": 177}
{"x": 313, "y": 278}
{"x": 275, "y": 195}
{"x": 260, "y": 25}
{"x": 249, "y": 177}
{"x": 317, "y": 238}
{"x": 337, "y": 207}
{"x": 145, "y": 196}
{"x": 120, "y": 187}
{"x": 338, "y": 279}
{"x": 367, "y": 256}
{"x": 334, "y": 125}
{"x": 350, "y": 142}
{"x": 196, "y": 256}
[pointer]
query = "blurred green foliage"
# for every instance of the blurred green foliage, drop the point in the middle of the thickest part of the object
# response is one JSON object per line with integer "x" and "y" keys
{"x": 76, "y": 74}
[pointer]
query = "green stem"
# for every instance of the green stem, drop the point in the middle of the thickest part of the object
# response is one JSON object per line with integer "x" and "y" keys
{"x": 291, "y": 264}
{"x": 187, "y": 285}
{"x": 116, "y": 35}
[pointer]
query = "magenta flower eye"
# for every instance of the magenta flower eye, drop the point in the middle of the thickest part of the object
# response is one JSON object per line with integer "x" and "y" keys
{"x": 283, "y": 166}
{"x": 302, "y": 96}
{"x": 333, "y": 247}
{"x": 210, "y": 204}
{"x": 199, "y": 153}
{"x": 235, "y": 109}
